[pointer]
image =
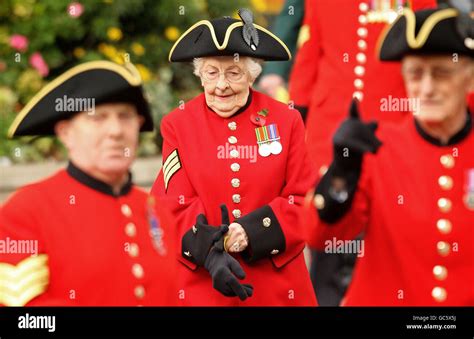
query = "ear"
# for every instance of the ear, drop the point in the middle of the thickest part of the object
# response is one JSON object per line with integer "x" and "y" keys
{"x": 62, "y": 130}
{"x": 141, "y": 120}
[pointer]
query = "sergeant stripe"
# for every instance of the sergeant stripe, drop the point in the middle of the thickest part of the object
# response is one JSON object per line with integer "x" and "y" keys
{"x": 22, "y": 282}
{"x": 171, "y": 166}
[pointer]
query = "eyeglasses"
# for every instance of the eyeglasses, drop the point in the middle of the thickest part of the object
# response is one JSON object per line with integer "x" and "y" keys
{"x": 232, "y": 75}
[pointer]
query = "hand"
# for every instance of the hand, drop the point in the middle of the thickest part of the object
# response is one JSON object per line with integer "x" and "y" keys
{"x": 354, "y": 138}
{"x": 236, "y": 239}
{"x": 270, "y": 83}
{"x": 225, "y": 270}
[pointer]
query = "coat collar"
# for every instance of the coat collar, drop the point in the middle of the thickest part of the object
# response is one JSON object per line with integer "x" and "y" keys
{"x": 95, "y": 184}
{"x": 455, "y": 139}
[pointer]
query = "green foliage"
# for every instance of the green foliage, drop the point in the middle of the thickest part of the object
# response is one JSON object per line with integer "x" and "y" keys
{"x": 143, "y": 30}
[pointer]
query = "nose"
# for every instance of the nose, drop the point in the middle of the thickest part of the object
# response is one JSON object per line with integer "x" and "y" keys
{"x": 222, "y": 83}
{"x": 427, "y": 85}
{"x": 115, "y": 127}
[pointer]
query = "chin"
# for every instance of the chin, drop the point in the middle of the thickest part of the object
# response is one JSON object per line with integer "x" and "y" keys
{"x": 114, "y": 166}
{"x": 432, "y": 117}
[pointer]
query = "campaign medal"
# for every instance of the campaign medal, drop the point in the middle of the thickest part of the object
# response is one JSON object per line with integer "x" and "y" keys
{"x": 469, "y": 189}
{"x": 268, "y": 140}
{"x": 268, "y": 137}
{"x": 156, "y": 232}
{"x": 382, "y": 11}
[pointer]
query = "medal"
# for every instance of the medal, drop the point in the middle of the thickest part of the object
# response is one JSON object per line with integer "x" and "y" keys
{"x": 156, "y": 232}
{"x": 469, "y": 188}
{"x": 268, "y": 140}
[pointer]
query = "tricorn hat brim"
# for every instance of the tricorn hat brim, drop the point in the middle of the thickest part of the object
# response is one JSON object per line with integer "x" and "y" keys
{"x": 224, "y": 37}
{"x": 103, "y": 81}
{"x": 431, "y": 31}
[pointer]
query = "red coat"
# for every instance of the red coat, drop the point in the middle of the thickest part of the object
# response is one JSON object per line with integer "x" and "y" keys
{"x": 94, "y": 249}
{"x": 200, "y": 173}
{"x": 416, "y": 251}
{"x": 338, "y": 60}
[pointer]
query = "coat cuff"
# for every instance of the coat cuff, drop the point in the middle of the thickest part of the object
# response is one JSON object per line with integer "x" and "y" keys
{"x": 196, "y": 244}
{"x": 265, "y": 235}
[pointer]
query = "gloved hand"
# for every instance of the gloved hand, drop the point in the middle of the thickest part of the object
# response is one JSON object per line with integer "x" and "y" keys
{"x": 336, "y": 189}
{"x": 352, "y": 139}
{"x": 197, "y": 242}
{"x": 225, "y": 270}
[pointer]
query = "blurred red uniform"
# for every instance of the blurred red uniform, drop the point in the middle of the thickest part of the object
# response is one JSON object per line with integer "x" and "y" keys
{"x": 94, "y": 248}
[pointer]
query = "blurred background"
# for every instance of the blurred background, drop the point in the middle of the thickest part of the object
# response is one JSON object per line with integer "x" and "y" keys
{"x": 40, "y": 39}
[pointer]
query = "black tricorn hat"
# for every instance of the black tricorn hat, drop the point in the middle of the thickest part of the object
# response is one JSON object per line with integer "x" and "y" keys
{"x": 430, "y": 31}
{"x": 102, "y": 81}
{"x": 228, "y": 36}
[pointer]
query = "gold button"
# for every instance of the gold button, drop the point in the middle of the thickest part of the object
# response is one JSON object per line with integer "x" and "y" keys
{"x": 444, "y": 226}
{"x": 362, "y": 19}
{"x": 322, "y": 170}
{"x": 235, "y": 167}
{"x": 232, "y": 139}
{"x": 137, "y": 271}
{"x": 195, "y": 230}
{"x": 359, "y": 70}
{"x": 362, "y": 44}
{"x": 235, "y": 182}
{"x": 266, "y": 222}
{"x": 236, "y": 213}
{"x": 358, "y": 95}
{"x": 362, "y": 32}
{"x": 188, "y": 254}
{"x": 447, "y": 161}
{"x": 363, "y": 7}
{"x": 444, "y": 205}
{"x": 358, "y": 83}
{"x": 319, "y": 201}
{"x": 440, "y": 272}
{"x": 234, "y": 153}
{"x": 236, "y": 198}
{"x": 443, "y": 248}
{"x": 232, "y": 125}
{"x": 133, "y": 250}
{"x": 439, "y": 294}
{"x": 361, "y": 58}
{"x": 275, "y": 252}
{"x": 130, "y": 229}
{"x": 139, "y": 292}
{"x": 445, "y": 182}
{"x": 126, "y": 210}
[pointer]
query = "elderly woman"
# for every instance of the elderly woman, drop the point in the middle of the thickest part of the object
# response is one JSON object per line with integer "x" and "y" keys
{"x": 239, "y": 149}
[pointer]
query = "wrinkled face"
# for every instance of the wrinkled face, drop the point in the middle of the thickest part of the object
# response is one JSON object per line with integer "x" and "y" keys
{"x": 226, "y": 84}
{"x": 102, "y": 142}
{"x": 440, "y": 84}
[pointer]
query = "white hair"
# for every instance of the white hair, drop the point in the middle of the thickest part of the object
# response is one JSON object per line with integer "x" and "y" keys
{"x": 252, "y": 65}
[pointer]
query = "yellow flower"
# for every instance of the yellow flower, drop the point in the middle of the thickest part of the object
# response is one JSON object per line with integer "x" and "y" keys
{"x": 79, "y": 52}
{"x": 267, "y": 6}
{"x": 138, "y": 49}
{"x": 114, "y": 33}
{"x": 144, "y": 72}
{"x": 107, "y": 50}
{"x": 172, "y": 33}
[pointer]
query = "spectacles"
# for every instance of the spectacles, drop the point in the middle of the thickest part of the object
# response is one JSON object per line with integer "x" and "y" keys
{"x": 232, "y": 75}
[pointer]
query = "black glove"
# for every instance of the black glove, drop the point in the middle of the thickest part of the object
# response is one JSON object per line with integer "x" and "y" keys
{"x": 338, "y": 186}
{"x": 197, "y": 242}
{"x": 225, "y": 270}
{"x": 352, "y": 139}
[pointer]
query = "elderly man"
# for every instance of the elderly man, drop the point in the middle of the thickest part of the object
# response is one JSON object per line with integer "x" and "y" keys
{"x": 97, "y": 238}
{"x": 236, "y": 147}
{"x": 414, "y": 198}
